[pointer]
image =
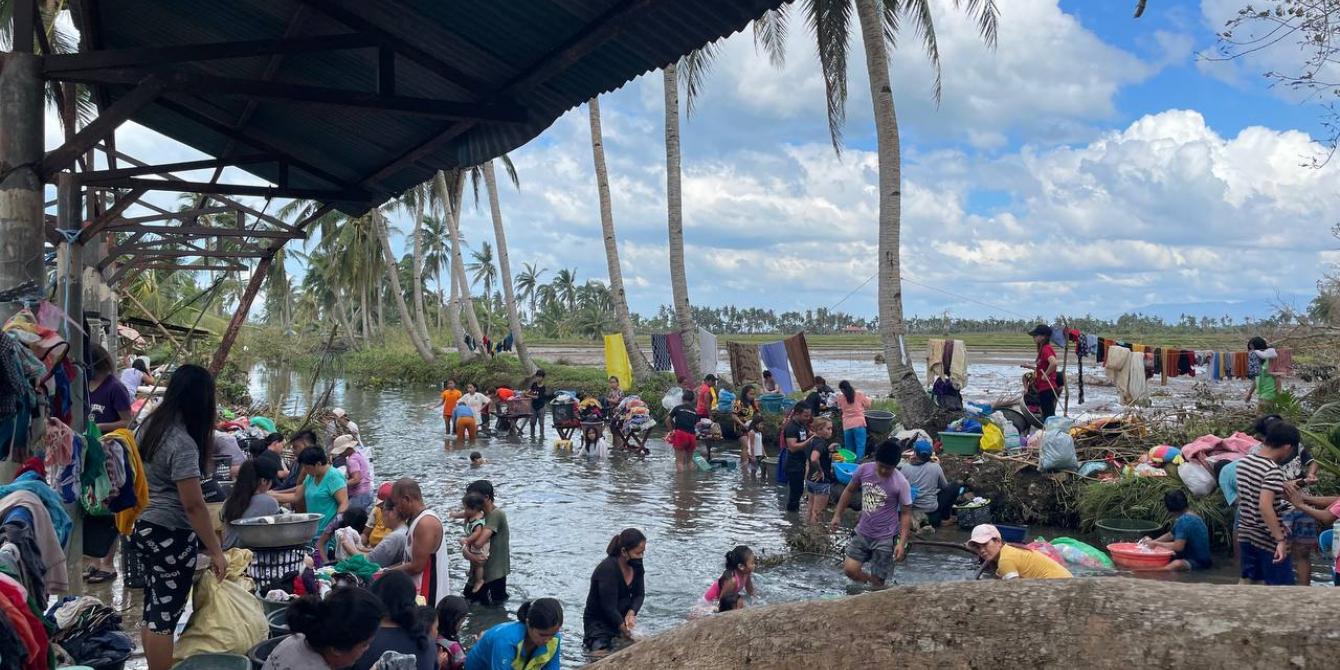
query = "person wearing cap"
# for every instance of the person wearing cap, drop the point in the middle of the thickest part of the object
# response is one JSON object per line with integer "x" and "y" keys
{"x": 928, "y": 480}
{"x": 378, "y": 529}
{"x": 1045, "y": 381}
{"x": 1013, "y": 562}
{"x": 886, "y": 517}
{"x": 356, "y": 471}
{"x": 707, "y": 396}
{"x": 250, "y": 496}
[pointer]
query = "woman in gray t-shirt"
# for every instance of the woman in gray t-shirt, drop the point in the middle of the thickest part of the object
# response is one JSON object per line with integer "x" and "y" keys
{"x": 175, "y": 443}
{"x": 250, "y": 496}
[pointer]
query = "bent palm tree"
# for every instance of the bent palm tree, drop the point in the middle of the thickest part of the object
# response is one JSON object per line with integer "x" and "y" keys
{"x": 451, "y": 198}
{"x": 641, "y": 370}
{"x": 528, "y": 284}
{"x": 500, "y": 235}
{"x": 674, "y": 198}
{"x": 880, "y": 22}
{"x": 382, "y": 231}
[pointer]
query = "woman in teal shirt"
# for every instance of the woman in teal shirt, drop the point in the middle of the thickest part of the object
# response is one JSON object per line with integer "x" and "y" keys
{"x": 321, "y": 488}
{"x": 531, "y": 643}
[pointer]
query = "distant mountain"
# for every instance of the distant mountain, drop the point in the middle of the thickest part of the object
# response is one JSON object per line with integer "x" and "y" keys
{"x": 1236, "y": 310}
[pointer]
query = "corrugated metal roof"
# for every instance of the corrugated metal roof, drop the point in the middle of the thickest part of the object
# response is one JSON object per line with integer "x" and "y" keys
{"x": 496, "y": 43}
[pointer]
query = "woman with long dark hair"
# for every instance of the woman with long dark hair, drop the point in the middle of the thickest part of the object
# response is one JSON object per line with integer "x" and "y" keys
{"x": 109, "y": 403}
{"x": 747, "y": 416}
{"x": 853, "y": 404}
{"x": 405, "y": 625}
{"x": 175, "y": 443}
{"x": 531, "y": 642}
{"x": 616, "y": 594}
{"x": 250, "y": 496}
{"x": 328, "y": 634}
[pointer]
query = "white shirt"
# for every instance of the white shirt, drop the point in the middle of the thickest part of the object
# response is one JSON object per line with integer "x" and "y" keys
{"x": 476, "y": 402}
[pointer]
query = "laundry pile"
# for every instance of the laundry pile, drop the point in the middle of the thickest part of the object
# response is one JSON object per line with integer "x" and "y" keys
{"x": 88, "y": 632}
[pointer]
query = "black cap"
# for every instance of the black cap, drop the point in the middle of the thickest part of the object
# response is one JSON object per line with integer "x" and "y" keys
{"x": 710, "y": 378}
{"x": 1041, "y": 329}
{"x": 274, "y": 437}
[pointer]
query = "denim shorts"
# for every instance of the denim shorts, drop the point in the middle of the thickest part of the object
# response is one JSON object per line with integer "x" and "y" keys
{"x": 818, "y": 488}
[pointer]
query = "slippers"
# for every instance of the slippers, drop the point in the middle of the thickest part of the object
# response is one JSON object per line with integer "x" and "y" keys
{"x": 101, "y": 576}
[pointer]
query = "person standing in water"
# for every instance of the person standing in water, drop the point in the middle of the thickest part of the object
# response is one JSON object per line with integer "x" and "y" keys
{"x": 853, "y": 404}
{"x": 616, "y": 593}
{"x": 109, "y": 403}
{"x": 797, "y": 439}
{"x": 1044, "y": 370}
{"x": 498, "y": 563}
{"x": 450, "y": 396}
{"x": 426, "y": 546}
{"x": 886, "y": 517}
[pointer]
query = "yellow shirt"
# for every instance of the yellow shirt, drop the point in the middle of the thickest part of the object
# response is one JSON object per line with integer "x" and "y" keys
{"x": 1014, "y": 563}
{"x": 379, "y": 529}
{"x": 449, "y": 399}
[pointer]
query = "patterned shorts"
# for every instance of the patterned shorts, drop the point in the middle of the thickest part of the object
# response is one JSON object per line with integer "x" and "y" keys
{"x": 169, "y": 559}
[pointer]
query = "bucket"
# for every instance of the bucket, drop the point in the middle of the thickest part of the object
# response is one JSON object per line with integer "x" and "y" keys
{"x": 771, "y": 402}
{"x": 260, "y": 652}
{"x": 278, "y": 622}
{"x": 214, "y": 662}
{"x": 1113, "y": 531}
{"x": 847, "y": 455}
{"x": 879, "y": 421}
{"x": 960, "y": 444}
{"x": 843, "y": 472}
{"x": 702, "y": 463}
{"x": 1013, "y": 533}
{"x": 970, "y": 516}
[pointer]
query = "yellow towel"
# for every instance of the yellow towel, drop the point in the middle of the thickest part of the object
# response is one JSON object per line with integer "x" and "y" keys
{"x": 125, "y": 519}
{"x": 616, "y": 361}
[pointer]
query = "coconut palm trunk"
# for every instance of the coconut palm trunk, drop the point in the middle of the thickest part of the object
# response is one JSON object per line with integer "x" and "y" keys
{"x": 915, "y": 407}
{"x": 342, "y": 315}
{"x": 679, "y": 284}
{"x": 505, "y": 267}
{"x": 392, "y": 271}
{"x": 450, "y": 208}
{"x": 458, "y": 259}
{"x": 641, "y": 369}
{"x": 420, "y": 320}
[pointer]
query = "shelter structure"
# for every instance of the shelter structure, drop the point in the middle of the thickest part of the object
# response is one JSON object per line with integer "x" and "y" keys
{"x": 346, "y": 103}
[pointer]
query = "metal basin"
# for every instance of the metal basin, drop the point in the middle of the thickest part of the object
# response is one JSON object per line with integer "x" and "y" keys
{"x": 278, "y": 530}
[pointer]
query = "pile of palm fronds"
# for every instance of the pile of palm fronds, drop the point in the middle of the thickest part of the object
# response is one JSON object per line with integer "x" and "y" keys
{"x": 1142, "y": 498}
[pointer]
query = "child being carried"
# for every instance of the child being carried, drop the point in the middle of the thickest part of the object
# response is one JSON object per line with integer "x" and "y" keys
{"x": 474, "y": 545}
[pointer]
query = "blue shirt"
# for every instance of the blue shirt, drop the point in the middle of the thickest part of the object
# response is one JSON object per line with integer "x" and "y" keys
{"x": 497, "y": 649}
{"x": 1191, "y": 529}
{"x": 1228, "y": 481}
{"x": 462, "y": 411}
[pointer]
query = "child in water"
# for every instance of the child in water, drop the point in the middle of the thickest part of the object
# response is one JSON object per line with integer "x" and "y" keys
{"x": 736, "y": 580}
{"x": 476, "y": 459}
{"x": 593, "y": 444}
{"x": 474, "y": 544}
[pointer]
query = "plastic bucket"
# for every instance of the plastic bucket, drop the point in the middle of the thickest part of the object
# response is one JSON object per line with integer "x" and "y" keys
{"x": 1013, "y": 533}
{"x": 960, "y": 444}
{"x": 843, "y": 472}
{"x": 973, "y": 515}
{"x": 260, "y": 652}
{"x": 1114, "y": 531}
{"x": 1132, "y": 556}
{"x": 214, "y": 662}
{"x": 879, "y": 421}
{"x": 847, "y": 455}
{"x": 771, "y": 402}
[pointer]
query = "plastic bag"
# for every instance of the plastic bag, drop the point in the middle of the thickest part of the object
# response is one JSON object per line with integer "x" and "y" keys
{"x": 1058, "y": 448}
{"x": 993, "y": 439}
{"x": 1083, "y": 554}
{"x": 227, "y": 618}
{"x": 1013, "y": 441}
{"x": 672, "y": 398}
{"x": 1198, "y": 480}
{"x": 725, "y": 400}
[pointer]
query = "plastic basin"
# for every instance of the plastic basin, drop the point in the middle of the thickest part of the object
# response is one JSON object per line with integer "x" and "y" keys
{"x": 214, "y": 662}
{"x": 844, "y": 471}
{"x": 879, "y": 421}
{"x": 847, "y": 455}
{"x": 260, "y": 652}
{"x": 279, "y": 530}
{"x": 1132, "y": 556}
{"x": 960, "y": 444}
{"x": 1111, "y": 531}
{"x": 1012, "y": 533}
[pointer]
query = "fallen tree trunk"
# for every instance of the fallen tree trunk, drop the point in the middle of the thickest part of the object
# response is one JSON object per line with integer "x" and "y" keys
{"x": 1096, "y": 622}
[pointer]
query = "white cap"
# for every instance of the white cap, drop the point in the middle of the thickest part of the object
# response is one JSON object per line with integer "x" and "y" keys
{"x": 984, "y": 533}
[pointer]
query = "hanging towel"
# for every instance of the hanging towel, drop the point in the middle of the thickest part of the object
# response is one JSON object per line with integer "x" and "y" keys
{"x": 1058, "y": 336}
{"x": 1240, "y": 365}
{"x": 744, "y": 365}
{"x": 774, "y": 359}
{"x": 674, "y": 342}
{"x": 798, "y": 352}
{"x": 935, "y": 354}
{"x": 707, "y": 352}
{"x": 660, "y": 353}
{"x": 616, "y": 360}
{"x": 1127, "y": 371}
{"x": 956, "y": 360}
{"x": 1283, "y": 364}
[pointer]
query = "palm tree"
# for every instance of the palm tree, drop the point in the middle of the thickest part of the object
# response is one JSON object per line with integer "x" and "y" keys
{"x": 500, "y": 235}
{"x": 415, "y": 201}
{"x": 435, "y": 254}
{"x": 641, "y": 370}
{"x": 528, "y": 284}
{"x": 565, "y": 287}
{"x": 880, "y": 22}
{"x": 482, "y": 268}
{"x": 424, "y": 347}
{"x": 674, "y": 197}
{"x": 450, "y": 197}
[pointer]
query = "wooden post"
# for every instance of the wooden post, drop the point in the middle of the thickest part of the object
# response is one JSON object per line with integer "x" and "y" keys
{"x": 70, "y": 294}
{"x": 240, "y": 316}
{"x": 22, "y": 222}
{"x": 1065, "y": 366}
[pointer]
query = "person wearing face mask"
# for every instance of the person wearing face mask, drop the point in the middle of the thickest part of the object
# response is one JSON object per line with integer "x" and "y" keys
{"x": 616, "y": 593}
{"x": 530, "y": 643}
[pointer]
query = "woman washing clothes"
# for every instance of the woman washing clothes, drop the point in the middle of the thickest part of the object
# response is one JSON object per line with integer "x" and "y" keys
{"x": 616, "y": 593}
{"x": 250, "y": 496}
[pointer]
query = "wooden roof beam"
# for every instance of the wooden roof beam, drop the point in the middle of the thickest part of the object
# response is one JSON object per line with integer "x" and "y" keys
{"x": 210, "y": 231}
{"x": 184, "y": 166}
{"x": 181, "y": 186}
{"x": 145, "y": 92}
{"x": 60, "y": 64}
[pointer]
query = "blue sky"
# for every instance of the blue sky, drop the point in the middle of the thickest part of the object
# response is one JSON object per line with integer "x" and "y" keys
{"x": 1092, "y": 163}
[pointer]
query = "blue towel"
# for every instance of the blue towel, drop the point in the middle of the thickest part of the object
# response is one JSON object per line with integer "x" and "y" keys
{"x": 774, "y": 359}
{"x": 29, "y": 481}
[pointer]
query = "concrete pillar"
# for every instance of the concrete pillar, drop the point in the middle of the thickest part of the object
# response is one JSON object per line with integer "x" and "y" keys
{"x": 70, "y": 293}
{"x": 21, "y": 217}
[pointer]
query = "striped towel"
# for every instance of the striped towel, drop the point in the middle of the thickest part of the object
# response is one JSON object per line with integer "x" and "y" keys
{"x": 660, "y": 353}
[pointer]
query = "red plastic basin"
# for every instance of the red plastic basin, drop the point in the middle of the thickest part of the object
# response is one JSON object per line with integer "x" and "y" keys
{"x": 1131, "y": 556}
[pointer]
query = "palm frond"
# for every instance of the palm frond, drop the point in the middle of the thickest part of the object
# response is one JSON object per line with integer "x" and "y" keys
{"x": 692, "y": 71}
{"x": 924, "y": 22}
{"x": 987, "y": 15}
{"x": 770, "y": 35}
{"x": 830, "y": 21}
{"x": 510, "y": 169}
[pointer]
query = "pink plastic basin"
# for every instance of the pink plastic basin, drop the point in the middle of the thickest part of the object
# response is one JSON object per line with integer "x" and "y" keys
{"x": 1131, "y": 556}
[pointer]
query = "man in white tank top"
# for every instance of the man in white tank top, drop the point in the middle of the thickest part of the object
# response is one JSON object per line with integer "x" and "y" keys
{"x": 426, "y": 552}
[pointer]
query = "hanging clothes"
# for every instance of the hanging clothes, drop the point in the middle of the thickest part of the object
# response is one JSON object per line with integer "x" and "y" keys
{"x": 1126, "y": 370}
{"x": 798, "y": 353}
{"x": 1079, "y": 370}
{"x": 956, "y": 361}
{"x": 660, "y": 353}
{"x": 138, "y": 482}
{"x": 1240, "y": 363}
{"x": 744, "y": 363}
{"x": 30, "y": 481}
{"x": 1058, "y": 336}
{"x": 774, "y": 359}
{"x": 1282, "y": 365}
{"x": 55, "y": 575}
{"x": 616, "y": 360}
{"x": 679, "y": 362}
{"x": 707, "y": 352}
{"x": 935, "y": 354}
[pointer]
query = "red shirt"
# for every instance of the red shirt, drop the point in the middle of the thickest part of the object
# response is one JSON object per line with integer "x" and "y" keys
{"x": 1040, "y": 380}
{"x": 705, "y": 400}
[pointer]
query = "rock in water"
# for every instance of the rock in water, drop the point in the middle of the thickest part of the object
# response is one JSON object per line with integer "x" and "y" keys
{"x": 1102, "y": 622}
